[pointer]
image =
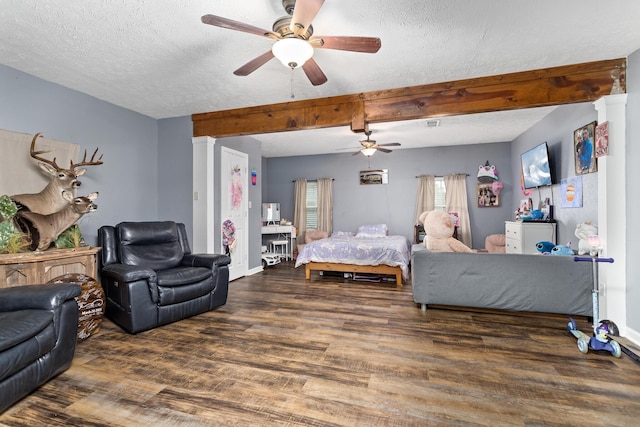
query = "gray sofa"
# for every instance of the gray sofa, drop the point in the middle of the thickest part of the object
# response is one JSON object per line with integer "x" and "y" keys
{"x": 537, "y": 283}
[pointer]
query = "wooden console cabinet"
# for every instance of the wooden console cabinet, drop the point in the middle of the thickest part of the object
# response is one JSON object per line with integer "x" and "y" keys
{"x": 40, "y": 267}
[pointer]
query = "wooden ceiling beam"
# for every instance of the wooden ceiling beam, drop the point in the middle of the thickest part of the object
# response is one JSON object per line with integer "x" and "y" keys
{"x": 538, "y": 88}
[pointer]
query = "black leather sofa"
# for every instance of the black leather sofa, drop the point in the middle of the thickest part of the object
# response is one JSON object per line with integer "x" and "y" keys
{"x": 38, "y": 329}
{"x": 151, "y": 278}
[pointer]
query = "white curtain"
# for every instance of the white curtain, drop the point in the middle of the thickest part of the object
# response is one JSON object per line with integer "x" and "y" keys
{"x": 456, "y": 201}
{"x": 300, "y": 209}
{"x": 425, "y": 199}
{"x": 325, "y": 205}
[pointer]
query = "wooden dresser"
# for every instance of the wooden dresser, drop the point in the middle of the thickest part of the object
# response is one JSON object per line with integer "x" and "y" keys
{"x": 31, "y": 268}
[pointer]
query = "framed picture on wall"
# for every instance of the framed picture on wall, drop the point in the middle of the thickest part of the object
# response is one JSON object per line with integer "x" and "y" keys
{"x": 486, "y": 197}
{"x": 584, "y": 149}
{"x": 602, "y": 139}
{"x": 379, "y": 176}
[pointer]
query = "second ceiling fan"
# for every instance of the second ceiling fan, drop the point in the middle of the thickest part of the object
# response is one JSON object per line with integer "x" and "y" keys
{"x": 369, "y": 146}
{"x": 295, "y": 41}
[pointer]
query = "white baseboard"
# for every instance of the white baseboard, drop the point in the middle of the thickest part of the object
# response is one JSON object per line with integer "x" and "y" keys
{"x": 632, "y": 335}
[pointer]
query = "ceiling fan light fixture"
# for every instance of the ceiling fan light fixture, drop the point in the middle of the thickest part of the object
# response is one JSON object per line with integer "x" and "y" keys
{"x": 292, "y": 52}
{"x": 368, "y": 151}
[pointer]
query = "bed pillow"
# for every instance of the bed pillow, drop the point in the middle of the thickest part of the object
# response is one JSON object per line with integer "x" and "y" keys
{"x": 343, "y": 234}
{"x": 372, "y": 230}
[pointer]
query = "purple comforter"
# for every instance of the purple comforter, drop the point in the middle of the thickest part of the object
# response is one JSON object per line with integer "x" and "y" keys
{"x": 389, "y": 250}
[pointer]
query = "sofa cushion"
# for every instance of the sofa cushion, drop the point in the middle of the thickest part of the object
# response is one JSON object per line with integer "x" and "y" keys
{"x": 19, "y": 326}
{"x": 154, "y": 245}
{"x": 180, "y": 276}
{"x": 168, "y": 295}
{"x": 25, "y": 336}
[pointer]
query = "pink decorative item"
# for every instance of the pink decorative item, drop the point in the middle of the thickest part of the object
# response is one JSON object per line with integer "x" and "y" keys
{"x": 497, "y": 187}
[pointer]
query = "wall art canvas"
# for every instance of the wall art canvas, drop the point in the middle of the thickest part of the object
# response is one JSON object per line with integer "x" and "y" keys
{"x": 571, "y": 192}
{"x": 583, "y": 149}
{"x": 379, "y": 176}
{"x": 602, "y": 139}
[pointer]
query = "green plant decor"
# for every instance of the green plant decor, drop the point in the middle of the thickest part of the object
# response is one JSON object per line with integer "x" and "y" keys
{"x": 70, "y": 238}
{"x": 12, "y": 241}
{"x": 7, "y": 208}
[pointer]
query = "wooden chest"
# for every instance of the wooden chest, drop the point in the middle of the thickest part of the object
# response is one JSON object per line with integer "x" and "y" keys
{"x": 31, "y": 268}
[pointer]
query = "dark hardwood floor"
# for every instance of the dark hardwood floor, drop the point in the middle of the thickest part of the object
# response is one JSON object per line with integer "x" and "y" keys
{"x": 332, "y": 352}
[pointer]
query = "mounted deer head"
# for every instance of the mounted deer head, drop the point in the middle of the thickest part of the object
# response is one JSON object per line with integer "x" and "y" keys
{"x": 45, "y": 229}
{"x": 49, "y": 200}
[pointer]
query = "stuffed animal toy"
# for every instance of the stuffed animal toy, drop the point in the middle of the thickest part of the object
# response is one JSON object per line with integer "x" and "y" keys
{"x": 562, "y": 250}
{"x": 545, "y": 247}
{"x": 583, "y": 231}
{"x": 438, "y": 228}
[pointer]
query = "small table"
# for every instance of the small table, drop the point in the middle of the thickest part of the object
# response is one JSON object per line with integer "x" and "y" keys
{"x": 279, "y": 233}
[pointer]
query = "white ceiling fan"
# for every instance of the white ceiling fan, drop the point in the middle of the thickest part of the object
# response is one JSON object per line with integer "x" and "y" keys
{"x": 294, "y": 40}
{"x": 370, "y": 146}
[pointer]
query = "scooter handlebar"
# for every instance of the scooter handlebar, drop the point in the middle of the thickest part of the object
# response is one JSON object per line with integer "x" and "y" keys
{"x": 590, "y": 259}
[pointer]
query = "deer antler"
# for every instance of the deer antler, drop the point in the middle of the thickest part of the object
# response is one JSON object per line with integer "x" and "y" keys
{"x": 36, "y": 154}
{"x": 91, "y": 162}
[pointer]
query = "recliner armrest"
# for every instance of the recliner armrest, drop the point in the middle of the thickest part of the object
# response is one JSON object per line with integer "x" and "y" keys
{"x": 44, "y": 297}
{"x": 129, "y": 273}
{"x": 206, "y": 260}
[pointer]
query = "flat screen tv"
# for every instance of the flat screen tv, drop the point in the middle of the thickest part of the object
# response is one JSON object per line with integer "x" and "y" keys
{"x": 535, "y": 166}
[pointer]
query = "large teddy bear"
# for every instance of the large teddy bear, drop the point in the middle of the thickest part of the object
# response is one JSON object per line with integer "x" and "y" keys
{"x": 438, "y": 228}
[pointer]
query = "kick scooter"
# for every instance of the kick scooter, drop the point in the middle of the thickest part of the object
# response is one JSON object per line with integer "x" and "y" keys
{"x": 601, "y": 329}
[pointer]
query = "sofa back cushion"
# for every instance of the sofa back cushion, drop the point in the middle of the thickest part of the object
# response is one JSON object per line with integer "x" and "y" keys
{"x": 153, "y": 244}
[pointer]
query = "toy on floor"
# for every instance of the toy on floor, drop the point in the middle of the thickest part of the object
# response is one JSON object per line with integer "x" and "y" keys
{"x": 602, "y": 330}
{"x": 438, "y": 228}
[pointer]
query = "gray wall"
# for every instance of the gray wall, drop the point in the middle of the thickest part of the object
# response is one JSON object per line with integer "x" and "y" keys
{"x": 633, "y": 199}
{"x": 557, "y": 130}
{"x": 393, "y": 204}
{"x": 128, "y": 179}
{"x": 175, "y": 171}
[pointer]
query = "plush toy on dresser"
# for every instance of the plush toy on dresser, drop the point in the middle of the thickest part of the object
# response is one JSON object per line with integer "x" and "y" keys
{"x": 438, "y": 228}
{"x": 583, "y": 231}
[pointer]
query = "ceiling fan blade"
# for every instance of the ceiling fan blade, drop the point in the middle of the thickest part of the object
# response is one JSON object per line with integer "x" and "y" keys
{"x": 357, "y": 152}
{"x": 230, "y": 24}
{"x": 254, "y": 64}
{"x": 303, "y": 13}
{"x": 384, "y": 150}
{"x": 390, "y": 144}
{"x": 353, "y": 44}
{"x": 314, "y": 73}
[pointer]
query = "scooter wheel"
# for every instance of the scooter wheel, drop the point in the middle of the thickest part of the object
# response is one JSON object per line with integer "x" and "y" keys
{"x": 615, "y": 349}
{"x": 583, "y": 345}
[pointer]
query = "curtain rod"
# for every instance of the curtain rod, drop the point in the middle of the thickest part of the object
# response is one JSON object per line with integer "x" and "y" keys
{"x": 440, "y": 176}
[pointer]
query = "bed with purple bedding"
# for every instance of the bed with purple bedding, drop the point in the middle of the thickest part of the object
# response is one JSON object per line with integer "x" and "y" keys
{"x": 368, "y": 251}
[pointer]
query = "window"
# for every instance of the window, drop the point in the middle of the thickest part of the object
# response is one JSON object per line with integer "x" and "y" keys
{"x": 441, "y": 191}
{"x": 312, "y": 205}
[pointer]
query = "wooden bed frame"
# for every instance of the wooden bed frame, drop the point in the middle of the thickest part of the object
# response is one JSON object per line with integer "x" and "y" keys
{"x": 351, "y": 268}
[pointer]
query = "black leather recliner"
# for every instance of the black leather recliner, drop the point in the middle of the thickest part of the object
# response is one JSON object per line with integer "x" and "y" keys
{"x": 151, "y": 278}
{"x": 38, "y": 330}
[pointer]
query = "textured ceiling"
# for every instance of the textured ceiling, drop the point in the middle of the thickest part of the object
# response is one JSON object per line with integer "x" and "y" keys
{"x": 155, "y": 57}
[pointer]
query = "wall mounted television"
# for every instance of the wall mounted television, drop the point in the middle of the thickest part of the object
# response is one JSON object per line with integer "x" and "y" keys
{"x": 535, "y": 166}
